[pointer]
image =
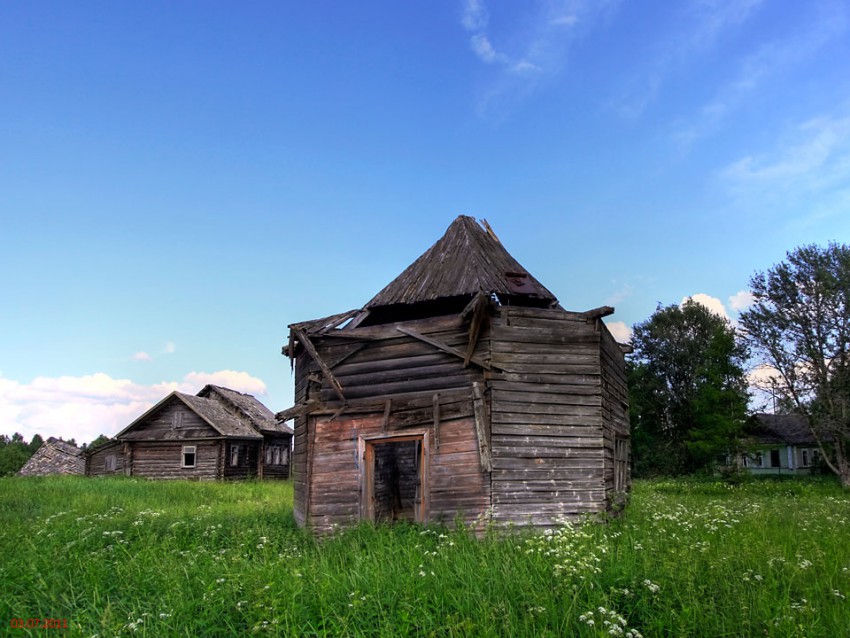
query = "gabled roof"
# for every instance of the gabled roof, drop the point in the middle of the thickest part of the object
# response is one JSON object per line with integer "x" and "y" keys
{"x": 229, "y": 413}
{"x": 248, "y": 406}
{"x": 54, "y": 457}
{"x": 468, "y": 259}
{"x": 790, "y": 429}
{"x": 219, "y": 417}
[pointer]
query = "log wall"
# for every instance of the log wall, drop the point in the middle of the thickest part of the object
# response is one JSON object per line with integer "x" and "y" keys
{"x": 529, "y": 441}
{"x": 96, "y": 460}
{"x": 456, "y": 485}
{"x": 374, "y": 365}
{"x": 282, "y": 470}
{"x": 162, "y": 460}
{"x": 248, "y": 459}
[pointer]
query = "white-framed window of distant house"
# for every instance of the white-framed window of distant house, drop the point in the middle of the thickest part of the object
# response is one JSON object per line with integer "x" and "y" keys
{"x": 189, "y": 456}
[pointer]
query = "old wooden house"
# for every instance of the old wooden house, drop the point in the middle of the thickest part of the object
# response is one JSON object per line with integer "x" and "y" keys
{"x": 462, "y": 389}
{"x": 217, "y": 434}
{"x": 779, "y": 444}
{"x": 54, "y": 457}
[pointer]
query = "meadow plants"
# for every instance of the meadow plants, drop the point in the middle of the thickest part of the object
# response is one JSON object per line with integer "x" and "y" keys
{"x": 120, "y": 557}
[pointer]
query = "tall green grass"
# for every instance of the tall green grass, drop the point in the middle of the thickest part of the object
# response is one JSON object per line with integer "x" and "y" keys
{"x": 688, "y": 558}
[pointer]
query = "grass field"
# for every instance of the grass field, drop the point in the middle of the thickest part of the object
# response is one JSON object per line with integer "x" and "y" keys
{"x": 117, "y": 557}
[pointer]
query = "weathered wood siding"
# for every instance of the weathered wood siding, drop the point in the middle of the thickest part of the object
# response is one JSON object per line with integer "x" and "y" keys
{"x": 375, "y": 365}
{"x": 163, "y": 460}
{"x": 282, "y": 470}
{"x": 615, "y": 405}
{"x": 547, "y": 417}
{"x": 174, "y": 422}
{"x": 533, "y": 448}
{"x": 248, "y": 458}
{"x": 96, "y": 460}
{"x": 456, "y": 485}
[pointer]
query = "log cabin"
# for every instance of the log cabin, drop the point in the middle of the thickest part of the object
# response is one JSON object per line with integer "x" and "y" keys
{"x": 462, "y": 391}
{"x": 217, "y": 434}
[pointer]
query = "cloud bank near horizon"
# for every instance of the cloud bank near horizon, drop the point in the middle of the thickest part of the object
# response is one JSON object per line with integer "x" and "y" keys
{"x": 86, "y": 406}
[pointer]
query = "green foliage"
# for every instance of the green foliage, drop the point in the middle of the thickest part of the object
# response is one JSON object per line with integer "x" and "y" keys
{"x": 120, "y": 557}
{"x": 799, "y": 326}
{"x": 687, "y": 390}
{"x": 100, "y": 440}
{"x": 14, "y": 452}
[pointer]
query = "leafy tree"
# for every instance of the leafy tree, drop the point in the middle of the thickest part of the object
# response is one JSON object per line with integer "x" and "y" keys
{"x": 100, "y": 440}
{"x": 36, "y": 443}
{"x": 687, "y": 389}
{"x": 799, "y": 326}
{"x": 14, "y": 452}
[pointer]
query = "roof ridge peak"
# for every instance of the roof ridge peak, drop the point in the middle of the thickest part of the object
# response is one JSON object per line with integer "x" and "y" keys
{"x": 467, "y": 259}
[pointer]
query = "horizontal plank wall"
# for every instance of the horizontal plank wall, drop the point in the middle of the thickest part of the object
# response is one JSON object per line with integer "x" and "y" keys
{"x": 96, "y": 460}
{"x": 546, "y": 417}
{"x": 281, "y": 471}
{"x": 393, "y": 383}
{"x": 615, "y": 405}
{"x": 163, "y": 460}
{"x": 249, "y": 452}
{"x": 457, "y": 487}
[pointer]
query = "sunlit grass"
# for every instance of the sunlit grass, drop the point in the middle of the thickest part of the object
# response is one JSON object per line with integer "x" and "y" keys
{"x": 689, "y": 558}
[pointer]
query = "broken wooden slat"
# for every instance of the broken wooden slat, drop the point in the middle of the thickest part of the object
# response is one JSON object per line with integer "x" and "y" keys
{"x": 311, "y": 349}
{"x": 299, "y": 409}
{"x": 479, "y": 313}
{"x": 598, "y": 313}
{"x": 480, "y": 426}
{"x": 338, "y": 413}
{"x": 441, "y": 346}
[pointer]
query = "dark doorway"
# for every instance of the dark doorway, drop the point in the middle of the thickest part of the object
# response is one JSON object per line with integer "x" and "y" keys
{"x": 394, "y": 480}
{"x": 774, "y": 458}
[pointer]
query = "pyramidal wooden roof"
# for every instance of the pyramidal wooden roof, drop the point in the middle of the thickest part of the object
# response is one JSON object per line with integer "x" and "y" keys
{"x": 468, "y": 259}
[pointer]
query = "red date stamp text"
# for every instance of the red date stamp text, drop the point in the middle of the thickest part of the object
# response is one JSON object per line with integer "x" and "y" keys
{"x": 38, "y": 623}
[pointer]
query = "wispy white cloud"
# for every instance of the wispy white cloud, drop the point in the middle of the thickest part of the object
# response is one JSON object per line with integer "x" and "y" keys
{"x": 86, "y": 406}
{"x": 484, "y": 50}
{"x": 537, "y": 47}
{"x": 622, "y": 293}
{"x": 567, "y": 20}
{"x": 142, "y": 356}
{"x": 701, "y": 25}
{"x": 474, "y": 16}
{"x": 771, "y": 60}
{"x": 712, "y": 18}
{"x": 808, "y": 173}
{"x": 169, "y": 348}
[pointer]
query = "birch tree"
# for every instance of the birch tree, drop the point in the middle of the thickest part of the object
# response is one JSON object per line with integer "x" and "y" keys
{"x": 799, "y": 327}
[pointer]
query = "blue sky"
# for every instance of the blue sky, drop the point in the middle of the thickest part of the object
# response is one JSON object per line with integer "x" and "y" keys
{"x": 180, "y": 181}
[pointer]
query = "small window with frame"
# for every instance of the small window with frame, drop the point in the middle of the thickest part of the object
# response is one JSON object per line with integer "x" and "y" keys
{"x": 234, "y": 455}
{"x": 189, "y": 456}
{"x": 109, "y": 463}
